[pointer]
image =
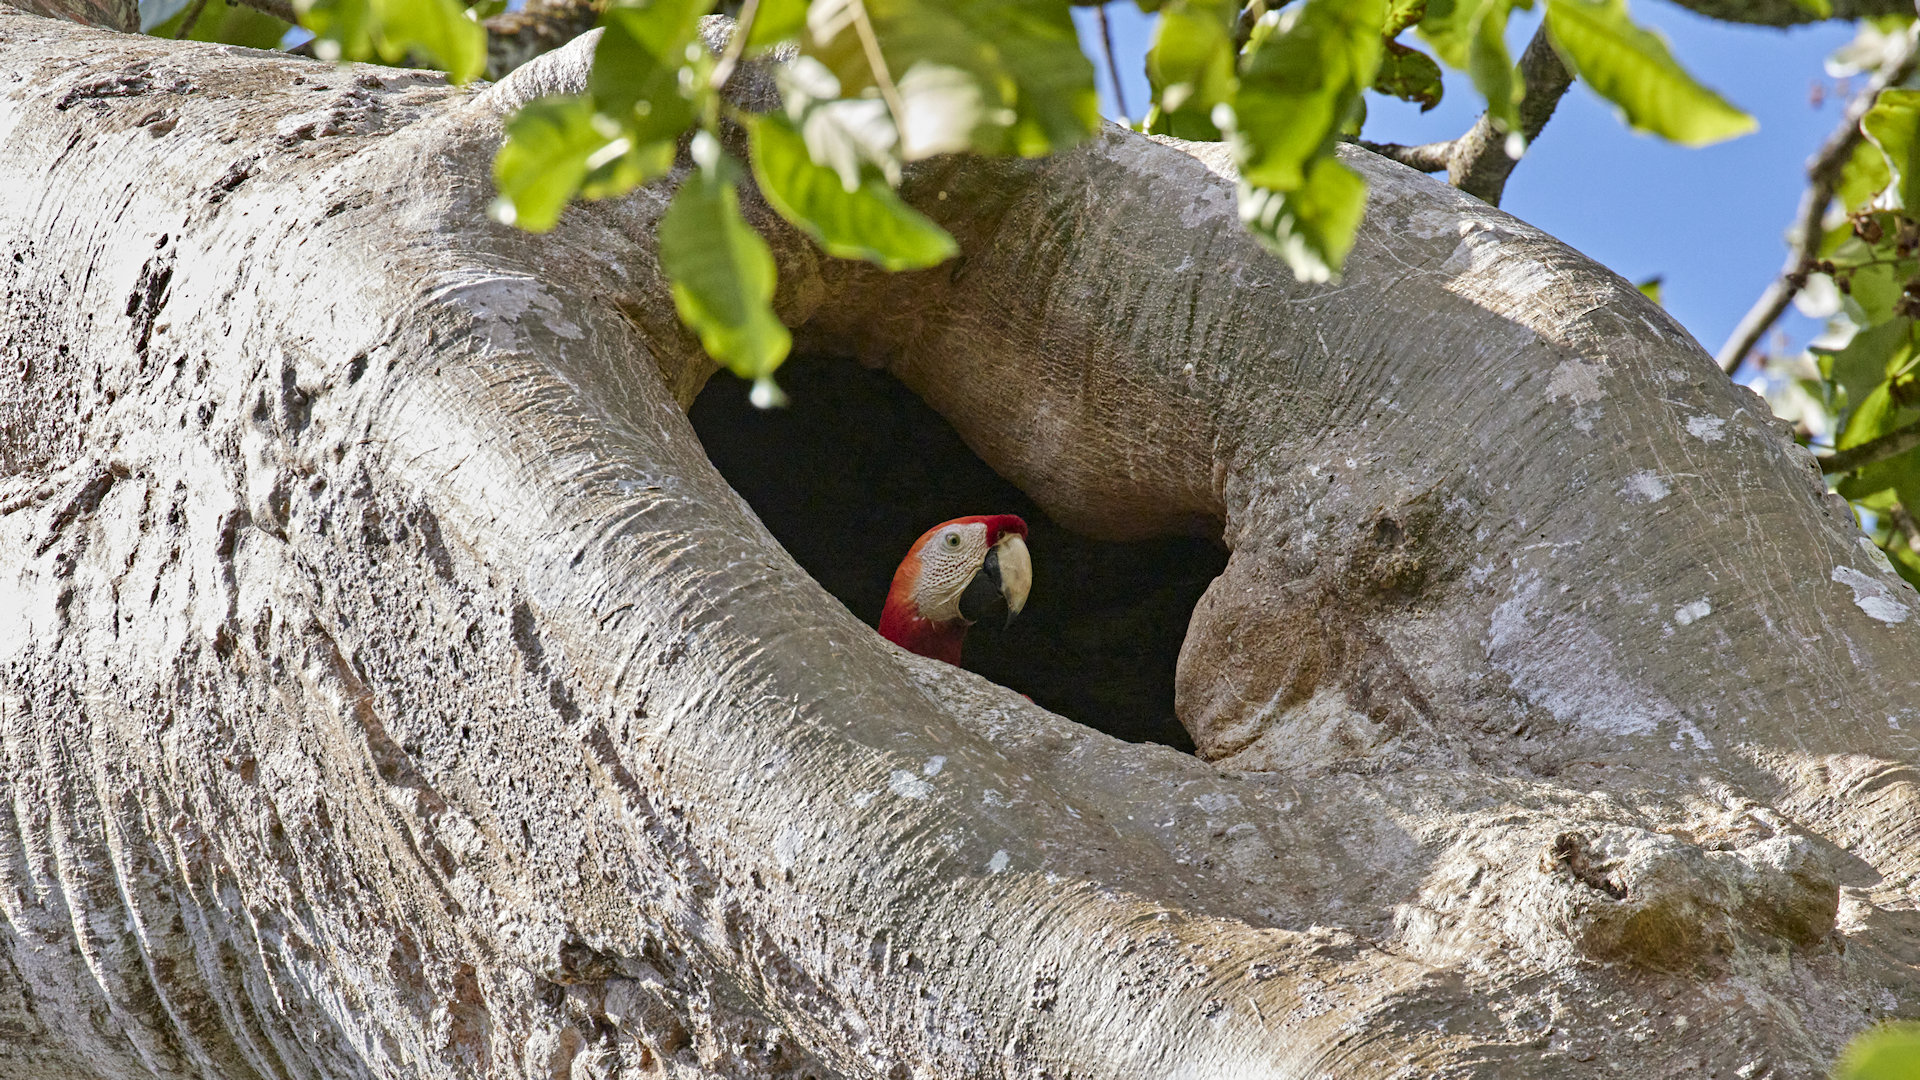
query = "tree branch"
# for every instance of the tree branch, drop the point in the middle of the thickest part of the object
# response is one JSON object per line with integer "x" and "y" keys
{"x": 279, "y": 9}
{"x": 193, "y": 16}
{"x": 1480, "y": 164}
{"x": 1823, "y": 175}
{"x": 1113, "y": 69}
{"x": 1892, "y": 444}
{"x": 1910, "y": 529}
{"x": 1427, "y": 157}
{"x": 121, "y": 15}
{"x": 515, "y": 37}
{"x": 1790, "y": 12}
{"x": 877, "y": 63}
{"x": 1477, "y": 162}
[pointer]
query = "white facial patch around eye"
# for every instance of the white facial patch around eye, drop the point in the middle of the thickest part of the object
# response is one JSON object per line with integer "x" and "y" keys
{"x": 948, "y": 561}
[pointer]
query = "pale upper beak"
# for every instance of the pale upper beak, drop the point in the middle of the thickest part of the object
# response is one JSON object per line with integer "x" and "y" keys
{"x": 1001, "y": 583}
{"x": 1016, "y": 571}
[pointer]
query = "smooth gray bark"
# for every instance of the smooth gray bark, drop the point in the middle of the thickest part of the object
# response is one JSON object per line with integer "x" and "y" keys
{"x": 390, "y": 687}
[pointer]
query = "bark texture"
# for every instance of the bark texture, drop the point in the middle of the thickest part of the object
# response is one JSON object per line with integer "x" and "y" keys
{"x": 389, "y": 686}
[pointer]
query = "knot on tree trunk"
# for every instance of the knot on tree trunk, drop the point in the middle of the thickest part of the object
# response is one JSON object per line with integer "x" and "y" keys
{"x": 1288, "y": 660}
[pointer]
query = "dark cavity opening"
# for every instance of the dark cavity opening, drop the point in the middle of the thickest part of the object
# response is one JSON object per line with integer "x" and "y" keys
{"x": 857, "y": 467}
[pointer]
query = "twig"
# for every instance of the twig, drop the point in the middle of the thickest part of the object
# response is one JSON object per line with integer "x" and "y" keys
{"x": 1427, "y": 157}
{"x": 1823, "y": 175}
{"x": 1250, "y": 16}
{"x": 1477, "y": 162}
{"x": 279, "y": 9}
{"x": 1892, "y": 444}
{"x": 1903, "y": 520}
{"x": 193, "y": 16}
{"x": 1113, "y": 69}
{"x": 736, "y": 45}
{"x": 877, "y": 63}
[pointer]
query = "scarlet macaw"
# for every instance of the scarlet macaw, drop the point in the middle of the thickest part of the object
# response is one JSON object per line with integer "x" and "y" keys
{"x": 956, "y": 574}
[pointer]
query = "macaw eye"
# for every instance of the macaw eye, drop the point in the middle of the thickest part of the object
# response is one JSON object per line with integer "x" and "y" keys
{"x": 953, "y": 540}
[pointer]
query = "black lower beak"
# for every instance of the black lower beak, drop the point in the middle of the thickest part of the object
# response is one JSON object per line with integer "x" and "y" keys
{"x": 983, "y": 596}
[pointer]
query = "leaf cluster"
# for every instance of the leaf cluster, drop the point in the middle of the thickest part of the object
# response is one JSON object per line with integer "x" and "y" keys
{"x": 1868, "y": 367}
{"x": 871, "y": 86}
{"x": 1289, "y": 87}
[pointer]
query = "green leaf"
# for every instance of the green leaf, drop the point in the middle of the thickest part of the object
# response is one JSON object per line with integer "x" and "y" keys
{"x": 1409, "y": 75}
{"x": 1302, "y": 81}
{"x": 559, "y": 146}
{"x": 1869, "y": 358}
{"x": 1876, "y": 414}
{"x": 1878, "y": 486}
{"x": 1892, "y": 124}
{"x": 228, "y": 24}
{"x": 1819, "y": 9}
{"x": 1447, "y": 25}
{"x": 1907, "y": 563}
{"x": 438, "y": 28}
{"x": 869, "y": 222}
{"x": 1471, "y": 35}
{"x": 622, "y": 134}
{"x": 721, "y": 271}
{"x": 847, "y": 135}
{"x": 1190, "y": 68}
{"x": 544, "y": 160}
{"x": 636, "y": 76}
{"x": 1312, "y": 227}
{"x": 1303, "y": 77}
{"x": 342, "y": 29}
{"x": 1491, "y": 67}
{"x": 1864, "y": 176}
{"x": 1402, "y": 14}
{"x": 994, "y": 76}
{"x": 775, "y": 21}
{"x": 1875, "y": 289}
{"x": 1632, "y": 68}
{"x": 1057, "y": 104}
{"x": 1650, "y": 289}
{"x": 392, "y": 29}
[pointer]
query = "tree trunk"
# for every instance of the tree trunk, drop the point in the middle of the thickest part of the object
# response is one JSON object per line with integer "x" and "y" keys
{"x": 389, "y": 686}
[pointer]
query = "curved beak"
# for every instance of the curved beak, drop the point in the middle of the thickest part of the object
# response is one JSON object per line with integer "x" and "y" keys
{"x": 1016, "y": 571}
{"x": 1002, "y": 582}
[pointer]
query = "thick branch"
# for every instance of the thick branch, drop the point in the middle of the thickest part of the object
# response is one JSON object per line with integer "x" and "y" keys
{"x": 1791, "y": 12}
{"x": 1823, "y": 176}
{"x": 1892, "y": 444}
{"x": 121, "y": 15}
{"x": 1477, "y": 162}
{"x": 1480, "y": 164}
{"x": 515, "y": 37}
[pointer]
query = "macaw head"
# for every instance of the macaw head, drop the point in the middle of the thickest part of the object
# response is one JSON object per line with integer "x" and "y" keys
{"x": 958, "y": 573}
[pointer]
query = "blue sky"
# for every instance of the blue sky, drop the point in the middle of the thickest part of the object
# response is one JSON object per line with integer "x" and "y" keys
{"x": 1709, "y": 221}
